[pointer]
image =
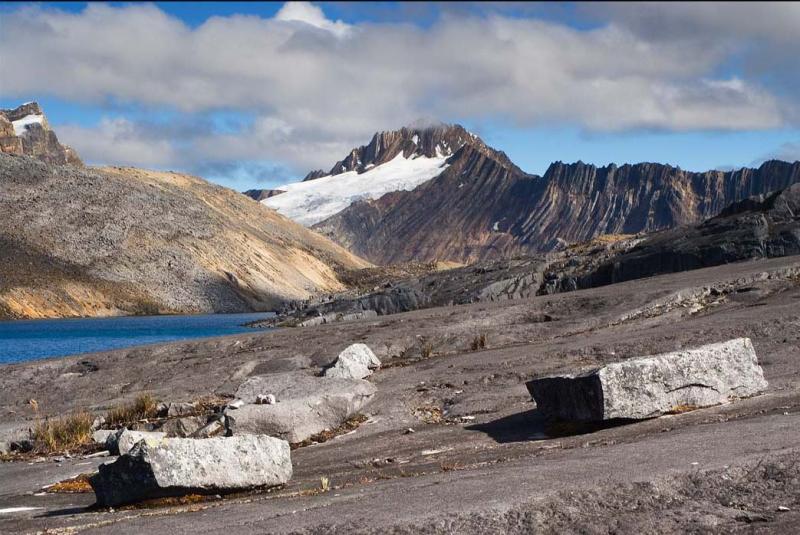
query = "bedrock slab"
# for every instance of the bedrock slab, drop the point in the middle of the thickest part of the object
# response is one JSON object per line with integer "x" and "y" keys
{"x": 651, "y": 386}
{"x": 179, "y": 466}
{"x": 305, "y": 405}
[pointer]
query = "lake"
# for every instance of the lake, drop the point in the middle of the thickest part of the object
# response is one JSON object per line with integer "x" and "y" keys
{"x": 22, "y": 340}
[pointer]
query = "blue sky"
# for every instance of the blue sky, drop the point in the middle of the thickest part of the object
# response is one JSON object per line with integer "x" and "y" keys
{"x": 256, "y": 94}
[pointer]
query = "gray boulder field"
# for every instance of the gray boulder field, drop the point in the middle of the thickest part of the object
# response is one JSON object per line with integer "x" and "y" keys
{"x": 655, "y": 385}
{"x": 355, "y": 362}
{"x": 306, "y": 405}
{"x": 178, "y": 466}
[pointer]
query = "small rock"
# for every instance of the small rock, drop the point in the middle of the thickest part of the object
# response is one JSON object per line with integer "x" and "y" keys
{"x": 179, "y": 466}
{"x": 23, "y": 445}
{"x": 269, "y": 399}
{"x": 355, "y": 362}
{"x": 181, "y": 409}
{"x": 211, "y": 429}
{"x": 98, "y": 423}
{"x": 409, "y": 431}
{"x": 124, "y": 440}
{"x": 101, "y": 436}
{"x": 183, "y": 427}
{"x": 5, "y": 447}
{"x": 783, "y": 509}
{"x": 235, "y": 404}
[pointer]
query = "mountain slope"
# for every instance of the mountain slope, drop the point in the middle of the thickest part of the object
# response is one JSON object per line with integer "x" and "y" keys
{"x": 89, "y": 242}
{"x": 483, "y": 207}
{"x": 25, "y": 131}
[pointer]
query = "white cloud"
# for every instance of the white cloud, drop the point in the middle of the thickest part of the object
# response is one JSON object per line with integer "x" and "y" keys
{"x": 308, "y": 13}
{"x": 316, "y": 87}
{"x": 119, "y": 141}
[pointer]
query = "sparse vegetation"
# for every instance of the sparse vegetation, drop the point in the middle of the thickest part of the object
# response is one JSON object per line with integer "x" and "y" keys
{"x": 143, "y": 407}
{"x": 426, "y": 349}
{"x": 74, "y": 485}
{"x": 479, "y": 342}
{"x": 430, "y": 414}
{"x": 64, "y": 433}
{"x": 350, "y": 424}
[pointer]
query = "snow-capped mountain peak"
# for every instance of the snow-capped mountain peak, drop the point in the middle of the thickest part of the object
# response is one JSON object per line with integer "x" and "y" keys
{"x": 396, "y": 160}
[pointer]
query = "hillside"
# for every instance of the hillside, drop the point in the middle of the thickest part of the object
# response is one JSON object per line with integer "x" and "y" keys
{"x": 92, "y": 242}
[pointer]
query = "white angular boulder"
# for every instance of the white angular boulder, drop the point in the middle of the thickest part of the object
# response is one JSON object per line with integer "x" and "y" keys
{"x": 179, "y": 466}
{"x": 651, "y": 386}
{"x": 306, "y": 405}
{"x": 355, "y": 362}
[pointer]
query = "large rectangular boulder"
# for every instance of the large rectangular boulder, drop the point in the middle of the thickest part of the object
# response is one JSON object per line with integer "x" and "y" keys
{"x": 180, "y": 466}
{"x": 651, "y": 386}
{"x": 305, "y": 405}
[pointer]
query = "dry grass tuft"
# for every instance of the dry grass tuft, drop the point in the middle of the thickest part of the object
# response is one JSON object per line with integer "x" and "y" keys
{"x": 680, "y": 409}
{"x": 430, "y": 414}
{"x": 143, "y": 407}
{"x": 351, "y": 424}
{"x": 64, "y": 433}
{"x": 76, "y": 485}
{"x": 479, "y": 342}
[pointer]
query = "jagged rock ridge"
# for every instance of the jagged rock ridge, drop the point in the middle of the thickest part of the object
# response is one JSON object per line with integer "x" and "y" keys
{"x": 484, "y": 207}
{"x": 25, "y": 130}
{"x": 430, "y": 141}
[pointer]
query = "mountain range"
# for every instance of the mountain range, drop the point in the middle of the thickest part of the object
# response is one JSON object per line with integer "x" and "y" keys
{"x": 89, "y": 241}
{"x": 440, "y": 193}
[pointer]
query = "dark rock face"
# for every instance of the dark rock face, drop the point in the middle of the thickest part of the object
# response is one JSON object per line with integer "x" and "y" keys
{"x": 760, "y": 227}
{"x": 34, "y": 138}
{"x": 483, "y": 207}
{"x": 317, "y": 173}
{"x": 9, "y": 142}
{"x": 261, "y": 194}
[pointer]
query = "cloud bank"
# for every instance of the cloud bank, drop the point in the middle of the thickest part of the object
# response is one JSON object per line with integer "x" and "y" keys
{"x": 313, "y": 87}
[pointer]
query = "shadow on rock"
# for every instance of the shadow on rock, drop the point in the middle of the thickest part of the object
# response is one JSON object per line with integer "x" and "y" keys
{"x": 533, "y": 425}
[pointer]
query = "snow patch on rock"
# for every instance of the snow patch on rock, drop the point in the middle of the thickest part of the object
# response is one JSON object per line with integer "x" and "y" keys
{"x": 315, "y": 200}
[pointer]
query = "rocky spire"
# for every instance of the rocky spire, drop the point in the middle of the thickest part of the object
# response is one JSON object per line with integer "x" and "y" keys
{"x": 422, "y": 138}
{"x": 24, "y": 130}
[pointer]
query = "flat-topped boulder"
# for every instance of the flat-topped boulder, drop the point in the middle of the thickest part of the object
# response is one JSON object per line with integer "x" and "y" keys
{"x": 179, "y": 466}
{"x": 654, "y": 385}
{"x": 305, "y": 405}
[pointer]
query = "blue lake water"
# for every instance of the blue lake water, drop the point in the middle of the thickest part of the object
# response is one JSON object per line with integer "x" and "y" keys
{"x": 23, "y": 340}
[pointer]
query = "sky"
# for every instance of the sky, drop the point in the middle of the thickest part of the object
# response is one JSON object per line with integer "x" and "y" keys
{"x": 253, "y": 95}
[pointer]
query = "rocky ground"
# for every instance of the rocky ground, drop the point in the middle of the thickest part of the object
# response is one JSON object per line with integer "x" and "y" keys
{"x": 480, "y": 457}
